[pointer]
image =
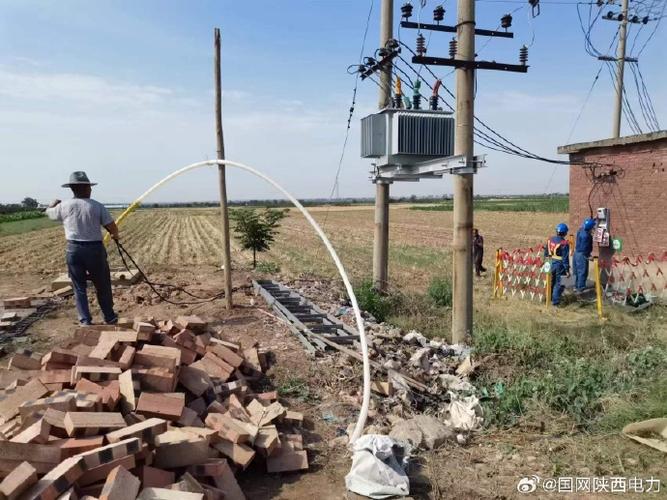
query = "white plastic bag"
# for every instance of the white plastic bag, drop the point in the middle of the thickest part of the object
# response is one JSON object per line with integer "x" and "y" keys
{"x": 376, "y": 471}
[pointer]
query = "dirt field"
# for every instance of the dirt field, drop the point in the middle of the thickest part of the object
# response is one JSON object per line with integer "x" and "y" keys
{"x": 182, "y": 247}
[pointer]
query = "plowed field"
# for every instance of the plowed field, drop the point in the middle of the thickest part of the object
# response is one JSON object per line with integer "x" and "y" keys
{"x": 180, "y": 237}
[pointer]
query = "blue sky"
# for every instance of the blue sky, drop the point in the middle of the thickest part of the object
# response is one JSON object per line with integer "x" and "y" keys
{"x": 124, "y": 90}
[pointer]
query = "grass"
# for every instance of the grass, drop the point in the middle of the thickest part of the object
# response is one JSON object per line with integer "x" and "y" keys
{"x": 585, "y": 376}
{"x": 558, "y": 203}
{"x": 23, "y": 215}
{"x": 25, "y": 225}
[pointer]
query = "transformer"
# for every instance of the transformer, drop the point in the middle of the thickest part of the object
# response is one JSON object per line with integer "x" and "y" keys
{"x": 402, "y": 137}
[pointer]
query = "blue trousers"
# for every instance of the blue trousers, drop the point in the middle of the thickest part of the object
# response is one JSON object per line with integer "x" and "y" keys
{"x": 557, "y": 272}
{"x": 88, "y": 259}
{"x": 580, "y": 264}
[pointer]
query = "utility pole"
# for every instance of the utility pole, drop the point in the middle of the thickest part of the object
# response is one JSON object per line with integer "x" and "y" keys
{"x": 463, "y": 183}
{"x": 620, "y": 68}
{"x": 381, "y": 236}
{"x": 226, "y": 251}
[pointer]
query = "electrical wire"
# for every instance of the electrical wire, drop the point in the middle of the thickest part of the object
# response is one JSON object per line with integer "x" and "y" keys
{"x": 648, "y": 96}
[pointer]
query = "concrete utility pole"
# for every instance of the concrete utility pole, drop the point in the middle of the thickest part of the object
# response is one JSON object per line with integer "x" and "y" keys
{"x": 226, "y": 250}
{"x": 620, "y": 68}
{"x": 463, "y": 183}
{"x": 381, "y": 236}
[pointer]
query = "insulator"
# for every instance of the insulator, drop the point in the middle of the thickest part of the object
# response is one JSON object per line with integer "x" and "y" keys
{"x": 370, "y": 61}
{"x": 421, "y": 45}
{"x": 383, "y": 52}
{"x": 635, "y": 19}
{"x": 397, "y": 101}
{"x": 645, "y": 20}
{"x": 416, "y": 101}
{"x": 452, "y": 48}
{"x": 438, "y": 13}
{"x": 392, "y": 44}
{"x": 599, "y": 3}
{"x": 523, "y": 55}
{"x": 406, "y": 10}
{"x": 433, "y": 102}
{"x": 620, "y": 17}
{"x": 535, "y": 4}
{"x": 506, "y": 21}
{"x": 609, "y": 15}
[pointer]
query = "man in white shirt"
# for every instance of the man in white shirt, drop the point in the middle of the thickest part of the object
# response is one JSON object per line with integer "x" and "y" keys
{"x": 83, "y": 219}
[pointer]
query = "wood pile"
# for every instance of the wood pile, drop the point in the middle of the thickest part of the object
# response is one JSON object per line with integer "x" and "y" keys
{"x": 148, "y": 409}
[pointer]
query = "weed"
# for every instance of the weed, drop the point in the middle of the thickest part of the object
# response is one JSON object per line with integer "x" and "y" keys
{"x": 378, "y": 304}
{"x": 297, "y": 388}
{"x": 440, "y": 291}
{"x": 268, "y": 267}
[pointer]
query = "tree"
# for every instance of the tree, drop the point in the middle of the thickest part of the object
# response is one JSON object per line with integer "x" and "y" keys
{"x": 31, "y": 203}
{"x": 256, "y": 231}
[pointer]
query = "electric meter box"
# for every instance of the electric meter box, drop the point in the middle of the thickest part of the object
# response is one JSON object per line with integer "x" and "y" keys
{"x": 407, "y": 137}
{"x": 602, "y": 216}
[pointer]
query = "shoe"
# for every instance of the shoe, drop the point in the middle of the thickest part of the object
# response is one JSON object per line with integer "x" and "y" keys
{"x": 85, "y": 323}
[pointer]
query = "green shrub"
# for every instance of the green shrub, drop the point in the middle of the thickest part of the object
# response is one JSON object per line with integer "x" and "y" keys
{"x": 378, "y": 304}
{"x": 440, "y": 291}
{"x": 268, "y": 267}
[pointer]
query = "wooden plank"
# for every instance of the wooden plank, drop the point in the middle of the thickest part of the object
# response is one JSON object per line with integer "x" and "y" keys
{"x": 18, "y": 481}
{"x": 120, "y": 485}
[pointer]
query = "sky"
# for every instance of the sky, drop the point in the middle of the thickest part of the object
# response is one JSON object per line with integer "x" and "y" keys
{"x": 123, "y": 90}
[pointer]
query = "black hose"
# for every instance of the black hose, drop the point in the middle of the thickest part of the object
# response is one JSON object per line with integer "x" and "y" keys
{"x": 153, "y": 285}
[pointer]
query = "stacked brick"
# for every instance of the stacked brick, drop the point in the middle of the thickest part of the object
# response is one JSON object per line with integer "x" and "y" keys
{"x": 149, "y": 409}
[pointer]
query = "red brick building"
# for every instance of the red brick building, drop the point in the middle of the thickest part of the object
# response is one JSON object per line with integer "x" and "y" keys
{"x": 628, "y": 176}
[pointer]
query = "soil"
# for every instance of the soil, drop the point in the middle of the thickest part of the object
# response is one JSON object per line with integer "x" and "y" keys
{"x": 489, "y": 466}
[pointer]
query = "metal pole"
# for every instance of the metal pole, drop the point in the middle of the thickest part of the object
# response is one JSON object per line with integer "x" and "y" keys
{"x": 381, "y": 236}
{"x": 463, "y": 183}
{"x": 620, "y": 67}
{"x": 226, "y": 251}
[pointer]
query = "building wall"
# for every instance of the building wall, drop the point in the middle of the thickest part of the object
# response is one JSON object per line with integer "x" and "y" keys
{"x": 636, "y": 195}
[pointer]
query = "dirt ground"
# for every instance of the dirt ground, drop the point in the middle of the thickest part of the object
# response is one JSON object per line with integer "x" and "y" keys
{"x": 488, "y": 467}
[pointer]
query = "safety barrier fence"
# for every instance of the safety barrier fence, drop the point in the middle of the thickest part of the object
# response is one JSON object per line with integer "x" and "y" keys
{"x": 625, "y": 279}
{"x": 523, "y": 273}
{"x": 518, "y": 273}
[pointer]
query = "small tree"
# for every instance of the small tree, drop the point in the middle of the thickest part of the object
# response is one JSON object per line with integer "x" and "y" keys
{"x": 256, "y": 231}
{"x": 31, "y": 203}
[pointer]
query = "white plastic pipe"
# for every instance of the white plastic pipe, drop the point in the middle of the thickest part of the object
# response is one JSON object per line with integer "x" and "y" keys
{"x": 363, "y": 414}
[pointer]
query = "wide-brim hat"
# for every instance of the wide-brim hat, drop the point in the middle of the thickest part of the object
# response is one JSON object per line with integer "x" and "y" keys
{"x": 79, "y": 179}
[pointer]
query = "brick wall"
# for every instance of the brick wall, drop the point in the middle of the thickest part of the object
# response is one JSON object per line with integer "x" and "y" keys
{"x": 636, "y": 196}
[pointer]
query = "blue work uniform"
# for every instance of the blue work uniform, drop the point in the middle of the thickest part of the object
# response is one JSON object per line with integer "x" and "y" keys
{"x": 582, "y": 252}
{"x": 558, "y": 251}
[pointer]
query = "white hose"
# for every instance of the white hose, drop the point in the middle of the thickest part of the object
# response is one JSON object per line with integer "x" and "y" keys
{"x": 363, "y": 414}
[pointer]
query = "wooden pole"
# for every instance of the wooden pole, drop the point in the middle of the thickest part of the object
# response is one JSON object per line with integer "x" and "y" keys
{"x": 463, "y": 183}
{"x": 381, "y": 234}
{"x": 226, "y": 250}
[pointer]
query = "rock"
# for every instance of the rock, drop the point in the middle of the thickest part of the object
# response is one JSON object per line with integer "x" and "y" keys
{"x": 422, "y": 431}
{"x": 392, "y": 364}
{"x": 338, "y": 441}
{"x": 415, "y": 338}
{"x": 407, "y": 431}
{"x": 420, "y": 358}
{"x": 435, "y": 433}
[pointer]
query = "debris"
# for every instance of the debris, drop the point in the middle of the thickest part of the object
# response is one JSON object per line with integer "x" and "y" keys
{"x": 651, "y": 433}
{"x": 164, "y": 395}
{"x": 464, "y": 414}
{"x": 378, "y": 468}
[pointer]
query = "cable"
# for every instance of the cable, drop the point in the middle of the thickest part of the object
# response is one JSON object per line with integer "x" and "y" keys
{"x": 153, "y": 285}
{"x": 657, "y": 24}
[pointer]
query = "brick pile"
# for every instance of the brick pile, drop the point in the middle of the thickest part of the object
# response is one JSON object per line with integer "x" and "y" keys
{"x": 148, "y": 409}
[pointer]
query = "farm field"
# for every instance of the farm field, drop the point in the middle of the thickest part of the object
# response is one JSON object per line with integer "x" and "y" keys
{"x": 560, "y": 385}
{"x": 418, "y": 241}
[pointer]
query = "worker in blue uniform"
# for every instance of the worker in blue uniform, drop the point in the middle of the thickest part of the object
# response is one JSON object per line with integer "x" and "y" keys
{"x": 582, "y": 253}
{"x": 558, "y": 253}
